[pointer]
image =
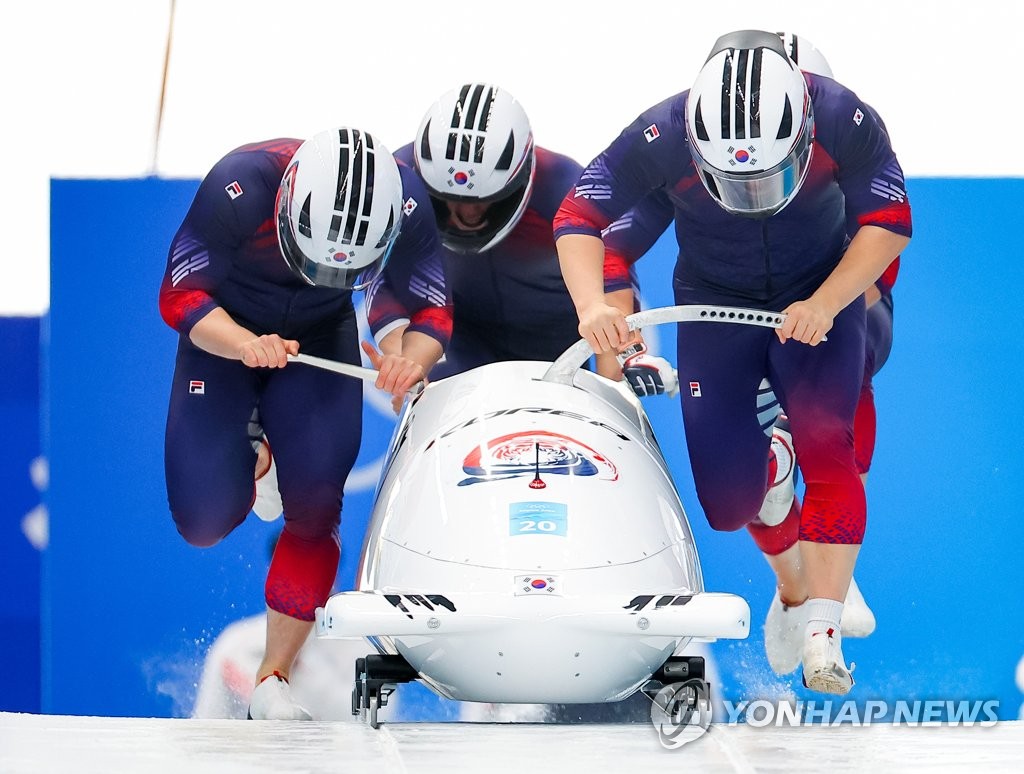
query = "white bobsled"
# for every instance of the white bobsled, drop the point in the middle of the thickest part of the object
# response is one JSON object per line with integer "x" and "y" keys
{"x": 527, "y": 543}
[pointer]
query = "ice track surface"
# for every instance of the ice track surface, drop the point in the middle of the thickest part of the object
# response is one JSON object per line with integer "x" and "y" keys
{"x": 57, "y": 743}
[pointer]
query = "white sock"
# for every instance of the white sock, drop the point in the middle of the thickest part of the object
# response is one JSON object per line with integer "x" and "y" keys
{"x": 822, "y": 615}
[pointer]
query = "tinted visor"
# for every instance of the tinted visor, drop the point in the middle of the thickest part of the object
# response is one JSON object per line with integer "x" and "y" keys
{"x": 765, "y": 192}
{"x": 499, "y": 215}
{"x": 505, "y": 210}
{"x": 323, "y": 275}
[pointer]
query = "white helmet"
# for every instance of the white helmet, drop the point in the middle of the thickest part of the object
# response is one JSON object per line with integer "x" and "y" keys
{"x": 475, "y": 145}
{"x": 750, "y": 124}
{"x": 339, "y": 209}
{"x": 807, "y": 57}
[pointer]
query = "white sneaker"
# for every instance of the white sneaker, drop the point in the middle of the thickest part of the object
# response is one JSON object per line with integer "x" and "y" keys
{"x": 268, "y": 504}
{"x": 779, "y": 499}
{"x": 824, "y": 666}
{"x": 784, "y": 635}
{"x": 272, "y": 700}
{"x": 858, "y": 620}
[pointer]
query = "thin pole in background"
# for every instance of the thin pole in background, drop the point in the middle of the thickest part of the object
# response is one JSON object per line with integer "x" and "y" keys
{"x": 163, "y": 92}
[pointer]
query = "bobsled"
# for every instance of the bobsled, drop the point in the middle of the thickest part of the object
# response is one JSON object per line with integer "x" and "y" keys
{"x": 527, "y": 543}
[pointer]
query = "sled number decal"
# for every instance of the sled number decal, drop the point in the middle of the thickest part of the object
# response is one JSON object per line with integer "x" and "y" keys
{"x": 538, "y": 518}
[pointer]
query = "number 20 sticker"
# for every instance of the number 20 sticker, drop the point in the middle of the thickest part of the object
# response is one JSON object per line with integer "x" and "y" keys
{"x": 537, "y": 518}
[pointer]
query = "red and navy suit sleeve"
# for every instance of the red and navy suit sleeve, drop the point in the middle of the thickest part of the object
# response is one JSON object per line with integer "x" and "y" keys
{"x": 589, "y": 207}
{"x": 868, "y": 172}
{"x": 233, "y": 200}
{"x": 562, "y": 173}
{"x": 641, "y": 159}
{"x": 413, "y": 287}
{"x": 629, "y": 237}
{"x": 886, "y": 282}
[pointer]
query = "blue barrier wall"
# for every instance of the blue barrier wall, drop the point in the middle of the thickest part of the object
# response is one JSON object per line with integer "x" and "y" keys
{"x": 130, "y": 608}
{"x": 19, "y": 497}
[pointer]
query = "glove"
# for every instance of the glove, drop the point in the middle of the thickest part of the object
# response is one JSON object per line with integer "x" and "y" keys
{"x": 648, "y": 374}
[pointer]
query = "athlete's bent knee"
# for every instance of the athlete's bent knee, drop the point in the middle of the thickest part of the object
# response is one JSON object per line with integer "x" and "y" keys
{"x": 205, "y": 529}
{"x": 728, "y": 514}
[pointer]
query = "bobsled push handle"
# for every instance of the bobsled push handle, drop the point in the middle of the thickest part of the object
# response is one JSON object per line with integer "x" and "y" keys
{"x": 570, "y": 361}
{"x": 347, "y": 369}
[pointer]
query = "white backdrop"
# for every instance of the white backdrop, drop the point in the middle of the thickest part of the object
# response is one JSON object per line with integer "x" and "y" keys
{"x": 81, "y": 81}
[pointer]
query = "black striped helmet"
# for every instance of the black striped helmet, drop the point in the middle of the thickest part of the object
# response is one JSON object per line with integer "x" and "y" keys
{"x": 339, "y": 209}
{"x": 803, "y": 52}
{"x": 750, "y": 124}
{"x": 475, "y": 145}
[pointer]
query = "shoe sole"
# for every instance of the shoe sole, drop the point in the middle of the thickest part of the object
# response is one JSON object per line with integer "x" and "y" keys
{"x": 826, "y": 681}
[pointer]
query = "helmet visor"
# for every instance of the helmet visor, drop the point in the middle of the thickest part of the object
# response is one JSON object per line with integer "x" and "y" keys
{"x": 501, "y": 217}
{"x": 765, "y": 192}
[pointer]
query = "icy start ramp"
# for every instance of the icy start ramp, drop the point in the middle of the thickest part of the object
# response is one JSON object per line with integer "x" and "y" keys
{"x": 36, "y": 744}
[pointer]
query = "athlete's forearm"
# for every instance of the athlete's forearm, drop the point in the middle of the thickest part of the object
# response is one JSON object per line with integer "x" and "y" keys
{"x": 606, "y": 362}
{"x": 581, "y": 258}
{"x": 421, "y": 349}
{"x": 220, "y": 335}
{"x": 392, "y": 343}
{"x": 869, "y": 254}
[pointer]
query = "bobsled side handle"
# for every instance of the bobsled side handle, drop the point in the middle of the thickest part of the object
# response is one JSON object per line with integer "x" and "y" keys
{"x": 346, "y": 369}
{"x": 569, "y": 362}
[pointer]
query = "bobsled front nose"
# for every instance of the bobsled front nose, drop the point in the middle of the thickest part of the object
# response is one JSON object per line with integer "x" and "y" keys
{"x": 530, "y": 649}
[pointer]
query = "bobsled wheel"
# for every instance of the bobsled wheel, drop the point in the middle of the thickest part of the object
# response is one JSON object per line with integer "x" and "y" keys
{"x": 687, "y": 671}
{"x": 686, "y": 700}
{"x": 376, "y": 679}
{"x": 374, "y": 705}
{"x": 357, "y": 686}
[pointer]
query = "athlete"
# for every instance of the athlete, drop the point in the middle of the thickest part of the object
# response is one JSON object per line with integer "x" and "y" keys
{"x": 264, "y": 265}
{"x": 785, "y": 622}
{"x": 493, "y": 194}
{"x": 762, "y": 166}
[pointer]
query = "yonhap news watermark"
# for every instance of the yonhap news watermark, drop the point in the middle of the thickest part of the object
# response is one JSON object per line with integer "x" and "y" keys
{"x": 759, "y": 713}
{"x": 682, "y": 712}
